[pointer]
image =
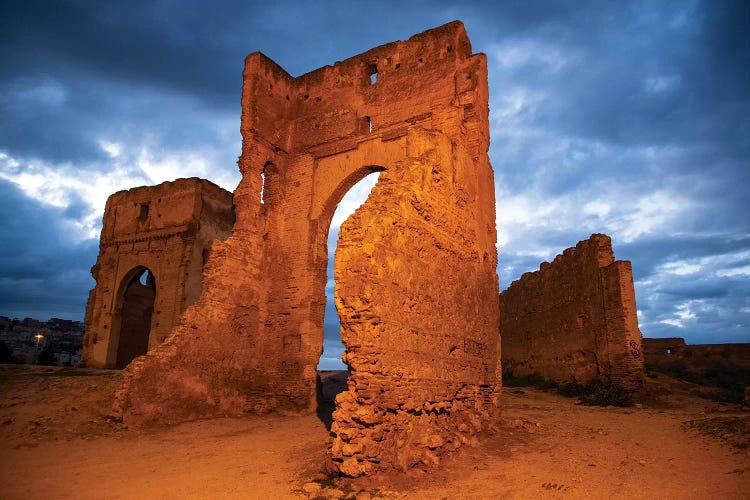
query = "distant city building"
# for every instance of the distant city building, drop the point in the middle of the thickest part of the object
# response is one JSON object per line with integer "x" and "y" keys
{"x": 27, "y": 338}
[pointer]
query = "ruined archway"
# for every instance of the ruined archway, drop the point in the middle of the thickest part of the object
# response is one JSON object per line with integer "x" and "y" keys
{"x": 416, "y": 283}
{"x": 332, "y": 371}
{"x": 325, "y": 272}
{"x": 134, "y": 312}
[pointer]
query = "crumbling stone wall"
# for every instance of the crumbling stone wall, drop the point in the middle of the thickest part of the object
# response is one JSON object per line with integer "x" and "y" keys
{"x": 575, "y": 319}
{"x": 674, "y": 355}
{"x": 726, "y": 367}
{"x": 167, "y": 230}
{"x": 417, "y": 288}
{"x": 653, "y": 348}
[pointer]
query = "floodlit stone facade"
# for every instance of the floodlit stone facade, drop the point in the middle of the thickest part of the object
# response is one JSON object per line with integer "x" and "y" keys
{"x": 575, "y": 319}
{"x": 416, "y": 287}
{"x": 154, "y": 243}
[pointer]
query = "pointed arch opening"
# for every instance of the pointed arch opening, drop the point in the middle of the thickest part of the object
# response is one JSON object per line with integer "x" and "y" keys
{"x": 332, "y": 370}
{"x": 137, "y": 297}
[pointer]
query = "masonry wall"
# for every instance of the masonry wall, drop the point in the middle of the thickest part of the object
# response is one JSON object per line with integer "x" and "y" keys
{"x": 673, "y": 354}
{"x": 575, "y": 319}
{"x": 416, "y": 282}
{"x": 724, "y": 366}
{"x": 167, "y": 229}
{"x": 657, "y": 347}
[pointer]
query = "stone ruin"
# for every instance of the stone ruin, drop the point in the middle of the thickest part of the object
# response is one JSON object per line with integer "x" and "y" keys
{"x": 574, "y": 320}
{"x": 416, "y": 287}
{"x": 724, "y": 365}
{"x": 221, "y": 297}
{"x": 153, "y": 247}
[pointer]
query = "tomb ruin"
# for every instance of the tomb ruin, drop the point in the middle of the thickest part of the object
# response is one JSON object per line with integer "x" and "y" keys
{"x": 416, "y": 286}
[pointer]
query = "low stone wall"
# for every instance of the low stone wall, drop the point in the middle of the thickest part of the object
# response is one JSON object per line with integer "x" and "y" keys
{"x": 574, "y": 320}
{"x": 664, "y": 353}
{"x": 724, "y": 367}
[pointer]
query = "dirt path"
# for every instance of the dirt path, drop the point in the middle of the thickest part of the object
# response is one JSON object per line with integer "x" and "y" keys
{"x": 545, "y": 447}
{"x": 551, "y": 448}
{"x": 225, "y": 458}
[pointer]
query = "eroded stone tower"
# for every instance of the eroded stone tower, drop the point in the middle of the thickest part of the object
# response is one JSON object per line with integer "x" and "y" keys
{"x": 415, "y": 268}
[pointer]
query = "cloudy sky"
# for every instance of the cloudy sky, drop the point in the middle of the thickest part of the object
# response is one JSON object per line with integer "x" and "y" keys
{"x": 631, "y": 119}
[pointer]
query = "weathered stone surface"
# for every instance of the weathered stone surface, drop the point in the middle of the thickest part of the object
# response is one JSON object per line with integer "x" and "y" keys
{"x": 703, "y": 356}
{"x": 728, "y": 363}
{"x": 311, "y": 488}
{"x": 575, "y": 319}
{"x": 168, "y": 230}
{"x": 653, "y": 348}
{"x": 415, "y": 267}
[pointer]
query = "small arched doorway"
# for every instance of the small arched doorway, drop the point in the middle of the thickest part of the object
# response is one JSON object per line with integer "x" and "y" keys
{"x": 137, "y": 298}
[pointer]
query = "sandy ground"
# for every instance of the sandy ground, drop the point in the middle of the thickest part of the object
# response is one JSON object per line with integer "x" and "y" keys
{"x": 56, "y": 442}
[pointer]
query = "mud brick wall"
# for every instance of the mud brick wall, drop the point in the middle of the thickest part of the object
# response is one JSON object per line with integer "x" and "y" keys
{"x": 673, "y": 354}
{"x": 575, "y": 319}
{"x": 415, "y": 270}
{"x": 657, "y": 347}
{"x": 167, "y": 229}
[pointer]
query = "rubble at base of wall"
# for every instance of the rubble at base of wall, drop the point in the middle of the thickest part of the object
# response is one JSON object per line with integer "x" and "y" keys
{"x": 375, "y": 433}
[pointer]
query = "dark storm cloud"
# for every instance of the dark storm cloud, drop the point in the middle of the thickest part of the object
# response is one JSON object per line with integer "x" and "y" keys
{"x": 697, "y": 289}
{"x": 45, "y": 271}
{"x": 151, "y": 43}
{"x": 636, "y": 75}
{"x": 702, "y": 309}
{"x": 655, "y": 74}
{"x": 76, "y": 70}
{"x": 651, "y": 252}
{"x": 63, "y": 118}
{"x": 184, "y": 45}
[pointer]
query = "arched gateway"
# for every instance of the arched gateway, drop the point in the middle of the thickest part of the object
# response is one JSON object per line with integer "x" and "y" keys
{"x": 416, "y": 284}
{"x": 135, "y": 309}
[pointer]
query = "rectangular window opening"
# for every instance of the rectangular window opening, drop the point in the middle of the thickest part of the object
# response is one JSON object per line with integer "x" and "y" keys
{"x": 372, "y": 70}
{"x": 143, "y": 212}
